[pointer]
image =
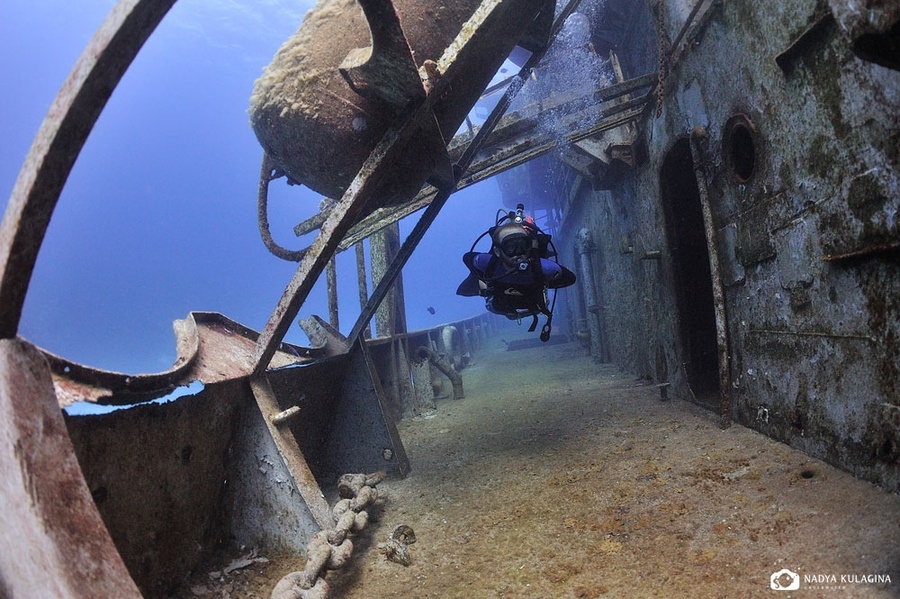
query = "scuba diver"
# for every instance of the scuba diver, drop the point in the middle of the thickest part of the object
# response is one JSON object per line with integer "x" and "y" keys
{"x": 515, "y": 275}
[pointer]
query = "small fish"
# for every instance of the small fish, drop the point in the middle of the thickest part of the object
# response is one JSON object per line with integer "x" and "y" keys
{"x": 430, "y": 309}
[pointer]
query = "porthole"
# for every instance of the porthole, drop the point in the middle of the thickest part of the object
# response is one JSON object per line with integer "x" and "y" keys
{"x": 739, "y": 148}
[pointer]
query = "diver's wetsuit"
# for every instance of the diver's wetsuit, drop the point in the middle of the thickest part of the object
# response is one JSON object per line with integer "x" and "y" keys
{"x": 514, "y": 277}
{"x": 479, "y": 262}
{"x": 513, "y": 292}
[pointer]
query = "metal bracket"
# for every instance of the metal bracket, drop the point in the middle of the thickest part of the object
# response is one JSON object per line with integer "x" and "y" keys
{"x": 290, "y": 452}
{"x": 385, "y": 70}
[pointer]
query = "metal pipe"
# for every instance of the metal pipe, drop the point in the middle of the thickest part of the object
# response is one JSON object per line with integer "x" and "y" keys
{"x": 699, "y": 136}
{"x": 584, "y": 245}
{"x": 363, "y": 287}
{"x": 451, "y": 342}
{"x": 285, "y": 416}
{"x": 441, "y": 364}
{"x": 331, "y": 280}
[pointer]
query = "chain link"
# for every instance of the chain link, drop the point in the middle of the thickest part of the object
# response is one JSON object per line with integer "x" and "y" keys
{"x": 331, "y": 549}
{"x": 663, "y": 56}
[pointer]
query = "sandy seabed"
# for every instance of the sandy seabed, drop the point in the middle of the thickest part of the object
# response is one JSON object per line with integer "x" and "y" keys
{"x": 556, "y": 477}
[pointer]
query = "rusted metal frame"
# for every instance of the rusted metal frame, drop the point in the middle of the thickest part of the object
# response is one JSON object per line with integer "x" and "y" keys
{"x": 623, "y": 113}
{"x": 211, "y": 348}
{"x": 59, "y": 141}
{"x": 513, "y": 156}
{"x": 511, "y": 92}
{"x": 336, "y": 226}
{"x": 386, "y": 215}
{"x": 345, "y": 213}
{"x": 389, "y": 214}
{"x": 431, "y": 212}
{"x": 523, "y": 119}
{"x": 699, "y": 136}
{"x": 510, "y": 123}
{"x": 397, "y": 264}
{"x": 313, "y": 222}
{"x": 382, "y": 217}
{"x": 290, "y": 452}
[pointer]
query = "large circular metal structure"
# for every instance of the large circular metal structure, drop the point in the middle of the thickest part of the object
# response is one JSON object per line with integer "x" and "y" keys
{"x": 336, "y": 86}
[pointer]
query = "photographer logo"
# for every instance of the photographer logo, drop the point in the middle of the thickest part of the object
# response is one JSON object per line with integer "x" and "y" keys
{"x": 784, "y": 580}
{"x": 788, "y": 580}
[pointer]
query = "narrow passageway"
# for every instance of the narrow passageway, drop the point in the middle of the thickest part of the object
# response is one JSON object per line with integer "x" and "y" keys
{"x": 556, "y": 477}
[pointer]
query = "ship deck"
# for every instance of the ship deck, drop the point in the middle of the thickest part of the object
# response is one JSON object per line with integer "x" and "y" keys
{"x": 558, "y": 477}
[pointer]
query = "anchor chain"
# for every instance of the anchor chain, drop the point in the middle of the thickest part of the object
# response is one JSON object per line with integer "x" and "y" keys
{"x": 663, "y": 58}
{"x": 331, "y": 549}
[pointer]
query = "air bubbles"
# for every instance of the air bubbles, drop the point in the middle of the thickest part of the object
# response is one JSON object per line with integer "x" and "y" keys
{"x": 576, "y": 30}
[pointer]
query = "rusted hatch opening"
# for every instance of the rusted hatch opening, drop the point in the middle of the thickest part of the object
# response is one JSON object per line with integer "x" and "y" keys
{"x": 693, "y": 280}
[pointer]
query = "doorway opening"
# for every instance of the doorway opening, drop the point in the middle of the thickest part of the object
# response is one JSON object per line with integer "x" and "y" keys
{"x": 696, "y": 318}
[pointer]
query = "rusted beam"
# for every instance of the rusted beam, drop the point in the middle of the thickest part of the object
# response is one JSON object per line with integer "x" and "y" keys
{"x": 378, "y": 167}
{"x": 515, "y": 133}
{"x": 386, "y": 70}
{"x": 290, "y": 452}
{"x": 323, "y": 335}
{"x": 530, "y": 147}
{"x": 59, "y": 141}
{"x": 362, "y": 285}
{"x": 697, "y": 141}
{"x": 315, "y": 221}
